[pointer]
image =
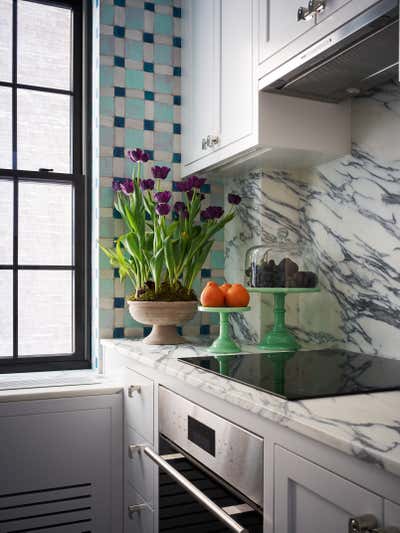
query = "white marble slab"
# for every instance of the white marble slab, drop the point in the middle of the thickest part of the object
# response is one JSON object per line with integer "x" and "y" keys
{"x": 366, "y": 425}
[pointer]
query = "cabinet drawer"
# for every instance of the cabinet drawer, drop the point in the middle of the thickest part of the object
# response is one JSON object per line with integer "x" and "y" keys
{"x": 140, "y": 521}
{"x": 139, "y": 469}
{"x": 139, "y": 404}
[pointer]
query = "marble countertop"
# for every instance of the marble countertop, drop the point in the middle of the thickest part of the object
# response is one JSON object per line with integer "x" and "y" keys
{"x": 366, "y": 426}
{"x": 58, "y": 384}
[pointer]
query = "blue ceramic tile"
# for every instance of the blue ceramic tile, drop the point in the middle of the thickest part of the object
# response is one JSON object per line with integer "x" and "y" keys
{"x": 134, "y": 18}
{"x": 148, "y": 125}
{"x": 119, "y": 122}
{"x": 119, "y": 31}
{"x": 148, "y": 37}
{"x": 120, "y": 3}
{"x": 176, "y": 158}
{"x": 177, "y": 42}
{"x": 119, "y": 303}
{"x": 148, "y": 95}
{"x": 149, "y": 6}
{"x": 118, "y": 151}
{"x": 177, "y": 129}
{"x": 119, "y": 91}
{"x": 206, "y": 188}
{"x": 177, "y": 71}
{"x": 146, "y": 331}
{"x": 116, "y": 273}
{"x": 118, "y": 333}
{"x": 177, "y": 12}
{"x": 119, "y": 61}
{"x": 206, "y": 273}
{"x": 204, "y": 329}
{"x": 148, "y": 67}
{"x": 116, "y": 214}
{"x": 177, "y": 100}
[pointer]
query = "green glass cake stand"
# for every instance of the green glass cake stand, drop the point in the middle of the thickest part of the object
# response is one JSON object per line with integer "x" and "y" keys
{"x": 280, "y": 338}
{"x": 224, "y": 344}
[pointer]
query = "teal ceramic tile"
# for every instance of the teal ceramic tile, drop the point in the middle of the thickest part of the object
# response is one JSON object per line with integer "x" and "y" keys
{"x": 163, "y": 24}
{"x": 104, "y": 262}
{"x": 106, "y": 76}
{"x": 106, "y": 196}
{"x": 129, "y": 322}
{"x": 106, "y": 166}
{"x": 134, "y": 50}
{"x": 107, "y": 228}
{"x": 107, "y": 46}
{"x": 107, "y": 288}
{"x": 134, "y": 18}
{"x": 163, "y": 54}
{"x": 106, "y": 318}
{"x": 163, "y": 83}
{"x": 134, "y": 108}
{"x": 106, "y": 105}
{"x": 217, "y": 259}
{"x": 106, "y": 136}
{"x": 134, "y": 138}
{"x": 163, "y": 112}
{"x": 134, "y": 79}
{"x": 106, "y": 15}
{"x": 163, "y": 141}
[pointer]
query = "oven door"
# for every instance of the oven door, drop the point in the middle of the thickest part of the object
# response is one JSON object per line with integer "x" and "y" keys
{"x": 194, "y": 500}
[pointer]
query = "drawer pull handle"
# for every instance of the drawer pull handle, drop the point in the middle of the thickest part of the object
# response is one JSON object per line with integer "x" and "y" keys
{"x": 135, "y": 509}
{"x": 204, "y": 500}
{"x": 368, "y": 523}
{"x": 134, "y": 449}
{"x": 212, "y": 140}
{"x": 132, "y": 389}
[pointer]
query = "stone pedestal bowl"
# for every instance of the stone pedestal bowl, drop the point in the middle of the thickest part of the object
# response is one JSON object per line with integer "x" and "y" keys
{"x": 164, "y": 317}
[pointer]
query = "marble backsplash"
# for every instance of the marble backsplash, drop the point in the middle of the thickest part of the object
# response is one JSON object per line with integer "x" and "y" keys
{"x": 348, "y": 211}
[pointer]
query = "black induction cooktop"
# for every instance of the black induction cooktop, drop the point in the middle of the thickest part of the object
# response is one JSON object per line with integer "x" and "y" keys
{"x": 305, "y": 374}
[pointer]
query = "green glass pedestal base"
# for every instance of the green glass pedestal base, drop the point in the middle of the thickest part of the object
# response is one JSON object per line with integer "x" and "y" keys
{"x": 224, "y": 344}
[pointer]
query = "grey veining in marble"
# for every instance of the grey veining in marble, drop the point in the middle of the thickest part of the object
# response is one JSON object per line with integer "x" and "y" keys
{"x": 348, "y": 212}
{"x": 366, "y": 426}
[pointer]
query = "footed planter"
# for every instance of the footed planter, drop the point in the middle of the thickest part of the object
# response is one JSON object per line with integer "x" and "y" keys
{"x": 164, "y": 317}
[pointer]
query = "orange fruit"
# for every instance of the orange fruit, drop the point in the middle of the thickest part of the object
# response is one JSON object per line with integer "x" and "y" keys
{"x": 224, "y": 288}
{"x": 212, "y": 296}
{"x": 237, "y": 296}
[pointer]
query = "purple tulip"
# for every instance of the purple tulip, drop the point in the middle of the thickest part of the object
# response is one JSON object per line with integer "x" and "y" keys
{"x": 116, "y": 186}
{"x": 163, "y": 197}
{"x": 147, "y": 185}
{"x": 160, "y": 173}
{"x": 234, "y": 199}
{"x": 184, "y": 186}
{"x": 138, "y": 155}
{"x": 196, "y": 182}
{"x": 127, "y": 187}
{"x": 211, "y": 213}
{"x": 163, "y": 209}
{"x": 185, "y": 213}
{"x": 179, "y": 207}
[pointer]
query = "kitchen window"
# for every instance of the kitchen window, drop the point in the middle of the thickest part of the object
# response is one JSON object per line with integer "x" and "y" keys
{"x": 44, "y": 207}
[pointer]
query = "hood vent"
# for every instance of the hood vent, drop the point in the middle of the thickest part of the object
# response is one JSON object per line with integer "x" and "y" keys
{"x": 358, "y": 57}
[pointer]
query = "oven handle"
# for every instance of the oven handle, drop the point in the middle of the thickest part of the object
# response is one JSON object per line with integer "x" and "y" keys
{"x": 195, "y": 492}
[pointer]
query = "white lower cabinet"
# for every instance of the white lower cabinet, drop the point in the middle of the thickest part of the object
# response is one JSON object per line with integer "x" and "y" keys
{"x": 61, "y": 465}
{"x": 311, "y": 499}
{"x": 139, "y": 516}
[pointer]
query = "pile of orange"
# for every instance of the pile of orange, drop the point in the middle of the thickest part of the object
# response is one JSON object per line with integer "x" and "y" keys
{"x": 225, "y": 295}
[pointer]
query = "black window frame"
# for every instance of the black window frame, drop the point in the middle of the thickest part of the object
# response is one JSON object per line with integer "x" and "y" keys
{"x": 79, "y": 178}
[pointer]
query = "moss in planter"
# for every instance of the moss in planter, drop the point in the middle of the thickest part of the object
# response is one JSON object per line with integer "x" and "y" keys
{"x": 166, "y": 294}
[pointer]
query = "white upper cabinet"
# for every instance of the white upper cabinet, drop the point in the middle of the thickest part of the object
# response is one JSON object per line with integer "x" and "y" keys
{"x": 219, "y": 80}
{"x": 279, "y": 26}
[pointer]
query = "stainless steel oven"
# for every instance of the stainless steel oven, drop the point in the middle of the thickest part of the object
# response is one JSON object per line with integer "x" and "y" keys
{"x": 210, "y": 471}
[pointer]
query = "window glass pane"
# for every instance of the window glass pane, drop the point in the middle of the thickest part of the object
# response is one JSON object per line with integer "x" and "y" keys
{"x": 6, "y": 222}
{"x": 5, "y": 40}
{"x": 6, "y": 313}
{"x": 43, "y": 125}
{"x": 45, "y": 309}
{"x": 5, "y": 128}
{"x": 44, "y": 45}
{"x": 45, "y": 223}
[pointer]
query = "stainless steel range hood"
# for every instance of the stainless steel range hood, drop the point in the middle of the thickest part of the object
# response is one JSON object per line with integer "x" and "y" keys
{"x": 360, "y": 55}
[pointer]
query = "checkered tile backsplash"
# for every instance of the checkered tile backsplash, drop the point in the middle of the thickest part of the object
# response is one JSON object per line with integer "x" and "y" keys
{"x": 140, "y": 70}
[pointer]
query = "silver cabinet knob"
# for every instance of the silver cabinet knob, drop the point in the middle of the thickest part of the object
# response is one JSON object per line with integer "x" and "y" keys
{"x": 132, "y": 389}
{"x": 212, "y": 140}
{"x": 134, "y": 449}
{"x": 368, "y": 524}
{"x": 314, "y": 7}
{"x": 204, "y": 143}
{"x": 135, "y": 509}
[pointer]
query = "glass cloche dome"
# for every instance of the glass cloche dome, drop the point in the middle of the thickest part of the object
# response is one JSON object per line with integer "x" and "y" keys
{"x": 283, "y": 264}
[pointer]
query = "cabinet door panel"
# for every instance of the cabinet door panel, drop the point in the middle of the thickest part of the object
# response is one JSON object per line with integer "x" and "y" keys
{"x": 139, "y": 404}
{"x": 199, "y": 75}
{"x": 236, "y": 71}
{"x": 331, "y": 7}
{"x": 279, "y": 26}
{"x": 392, "y": 514}
{"x": 310, "y": 499}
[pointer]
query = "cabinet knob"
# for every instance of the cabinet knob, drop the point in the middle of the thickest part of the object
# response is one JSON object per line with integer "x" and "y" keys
{"x": 368, "y": 524}
{"x": 134, "y": 509}
{"x": 204, "y": 143}
{"x": 132, "y": 389}
{"x": 212, "y": 140}
{"x": 134, "y": 449}
{"x": 314, "y": 7}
